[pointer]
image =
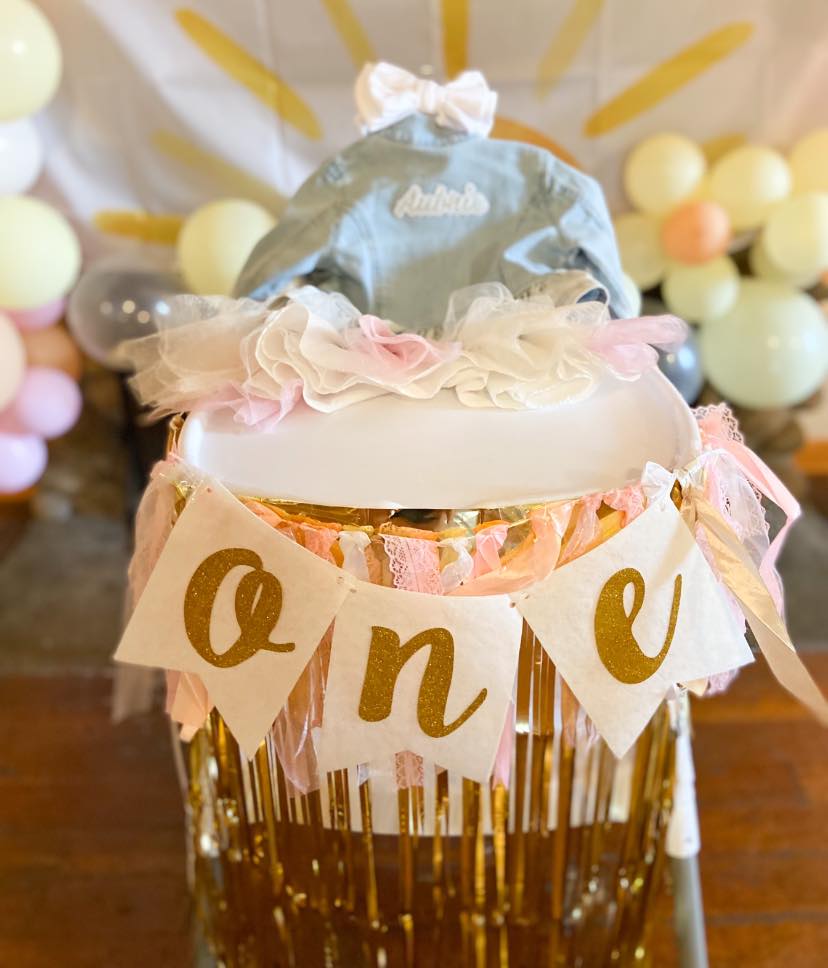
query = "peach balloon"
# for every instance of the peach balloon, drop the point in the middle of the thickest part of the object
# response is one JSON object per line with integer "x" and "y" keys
{"x": 696, "y": 232}
{"x": 53, "y": 347}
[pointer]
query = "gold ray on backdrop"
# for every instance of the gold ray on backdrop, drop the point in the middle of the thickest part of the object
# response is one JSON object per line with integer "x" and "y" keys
{"x": 715, "y": 148}
{"x": 351, "y": 31}
{"x": 262, "y": 82}
{"x": 668, "y": 77}
{"x": 510, "y": 130}
{"x": 144, "y": 226}
{"x": 234, "y": 180}
{"x": 455, "y": 17}
{"x": 566, "y": 43}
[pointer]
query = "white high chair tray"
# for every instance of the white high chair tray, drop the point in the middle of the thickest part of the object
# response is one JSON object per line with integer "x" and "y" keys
{"x": 392, "y": 452}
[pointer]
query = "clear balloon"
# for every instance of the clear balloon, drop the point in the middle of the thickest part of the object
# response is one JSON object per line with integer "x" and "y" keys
{"x": 21, "y": 156}
{"x": 40, "y": 317}
{"x": 216, "y": 240}
{"x": 53, "y": 347}
{"x": 796, "y": 236}
{"x": 748, "y": 182}
{"x": 662, "y": 171}
{"x": 701, "y": 293}
{"x": 809, "y": 162}
{"x": 39, "y": 253}
{"x": 23, "y": 459}
{"x": 47, "y": 404}
{"x": 12, "y": 361}
{"x": 30, "y": 60}
{"x": 770, "y": 350}
{"x": 639, "y": 244}
{"x": 683, "y": 368}
{"x": 115, "y": 301}
{"x": 696, "y": 232}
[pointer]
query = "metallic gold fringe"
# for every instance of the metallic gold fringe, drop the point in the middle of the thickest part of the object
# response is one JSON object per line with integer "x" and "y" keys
{"x": 541, "y": 873}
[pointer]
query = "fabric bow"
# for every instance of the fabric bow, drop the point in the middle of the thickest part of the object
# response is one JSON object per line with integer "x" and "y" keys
{"x": 386, "y": 94}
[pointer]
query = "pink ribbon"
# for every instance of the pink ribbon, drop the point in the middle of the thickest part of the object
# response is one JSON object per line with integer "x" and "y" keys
{"x": 627, "y": 344}
{"x": 715, "y": 435}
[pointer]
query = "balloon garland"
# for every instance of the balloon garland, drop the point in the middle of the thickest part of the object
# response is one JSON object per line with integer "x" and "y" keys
{"x": 762, "y": 341}
{"x": 39, "y": 260}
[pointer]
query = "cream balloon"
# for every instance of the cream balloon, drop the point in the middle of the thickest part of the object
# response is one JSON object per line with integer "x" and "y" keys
{"x": 216, "y": 240}
{"x": 748, "y": 182}
{"x": 809, "y": 162}
{"x": 701, "y": 293}
{"x": 12, "y": 361}
{"x": 770, "y": 350}
{"x": 39, "y": 253}
{"x": 30, "y": 60}
{"x": 662, "y": 171}
{"x": 762, "y": 266}
{"x": 21, "y": 156}
{"x": 796, "y": 236}
{"x": 639, "y": 244}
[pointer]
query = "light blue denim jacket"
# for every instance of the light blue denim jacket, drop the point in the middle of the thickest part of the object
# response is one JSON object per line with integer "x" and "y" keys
{"x": 512, "y": 213}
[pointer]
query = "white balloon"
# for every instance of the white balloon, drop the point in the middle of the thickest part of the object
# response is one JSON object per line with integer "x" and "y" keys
{"x": 639, "y": 244}
{"x": 21, "y": 156}
{"x": 703, "y": 292}
{"x": 770, "y": 350}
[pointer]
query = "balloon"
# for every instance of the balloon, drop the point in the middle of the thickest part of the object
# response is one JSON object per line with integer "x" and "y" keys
{"x": 21, "y": 156}
{"x": 12, "y": 360}
{"x": 639, "y": 245}
{"x": 632, "y": 292}
{"x": 748, "y": 182}
{"x": 30, "y": 60}
{"x": 39, "y": 253}
{"x": 796, "y": 236}
{"x": 47, "y": 404}
{"x": 809, "y": 162}
{"x": 115, "y": 301}
{"x": 704, "y": 292}
{"x": 770, "y": 350}
{"x": 764, "y": 267}
{"x": 22, "y": 460}
{"x": 662, "y": 171}
{"x": 40, "y": 316}
{"x": 216, "y": 240}
{"x": 696, "y": 232}
{"x": 53, "y": 347}
{"x": 683, "y": 368}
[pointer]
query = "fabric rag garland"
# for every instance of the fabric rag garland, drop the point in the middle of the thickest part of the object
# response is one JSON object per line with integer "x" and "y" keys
{"x": 493, "y": 351}
{"x": 498, "y": 557}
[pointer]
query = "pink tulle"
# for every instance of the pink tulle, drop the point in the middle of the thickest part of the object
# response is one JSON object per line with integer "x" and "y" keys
{"x": 627, "y": 344}
{"x": 398, "y": 353}
{"x": 487, "y": 548}
{"x": 716, "y": 426}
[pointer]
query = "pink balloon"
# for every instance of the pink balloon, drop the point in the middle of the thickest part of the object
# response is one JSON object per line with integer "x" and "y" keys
{"x": 22, "y": 460}
{"x": 47, "y": 404}
{"x": 39, "y": 317}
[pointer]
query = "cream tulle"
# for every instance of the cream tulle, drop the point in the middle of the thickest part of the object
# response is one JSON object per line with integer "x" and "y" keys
{"x": 493, "y": 351}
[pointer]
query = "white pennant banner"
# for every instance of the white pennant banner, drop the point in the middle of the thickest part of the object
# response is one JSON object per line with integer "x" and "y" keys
{"x": 425, "y": 673}
{"x": 239, "y": 605}
{"x": 633, "y": 617}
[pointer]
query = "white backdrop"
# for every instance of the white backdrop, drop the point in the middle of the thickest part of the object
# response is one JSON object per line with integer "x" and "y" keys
{"x": 153, "y": 113}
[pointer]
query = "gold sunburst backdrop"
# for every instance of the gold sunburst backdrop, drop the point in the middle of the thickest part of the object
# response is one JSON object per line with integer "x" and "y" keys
{"x": 297, "y": 106}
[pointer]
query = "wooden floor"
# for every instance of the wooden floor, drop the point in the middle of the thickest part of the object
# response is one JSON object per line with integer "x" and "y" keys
{"x": 91, "y": 846}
